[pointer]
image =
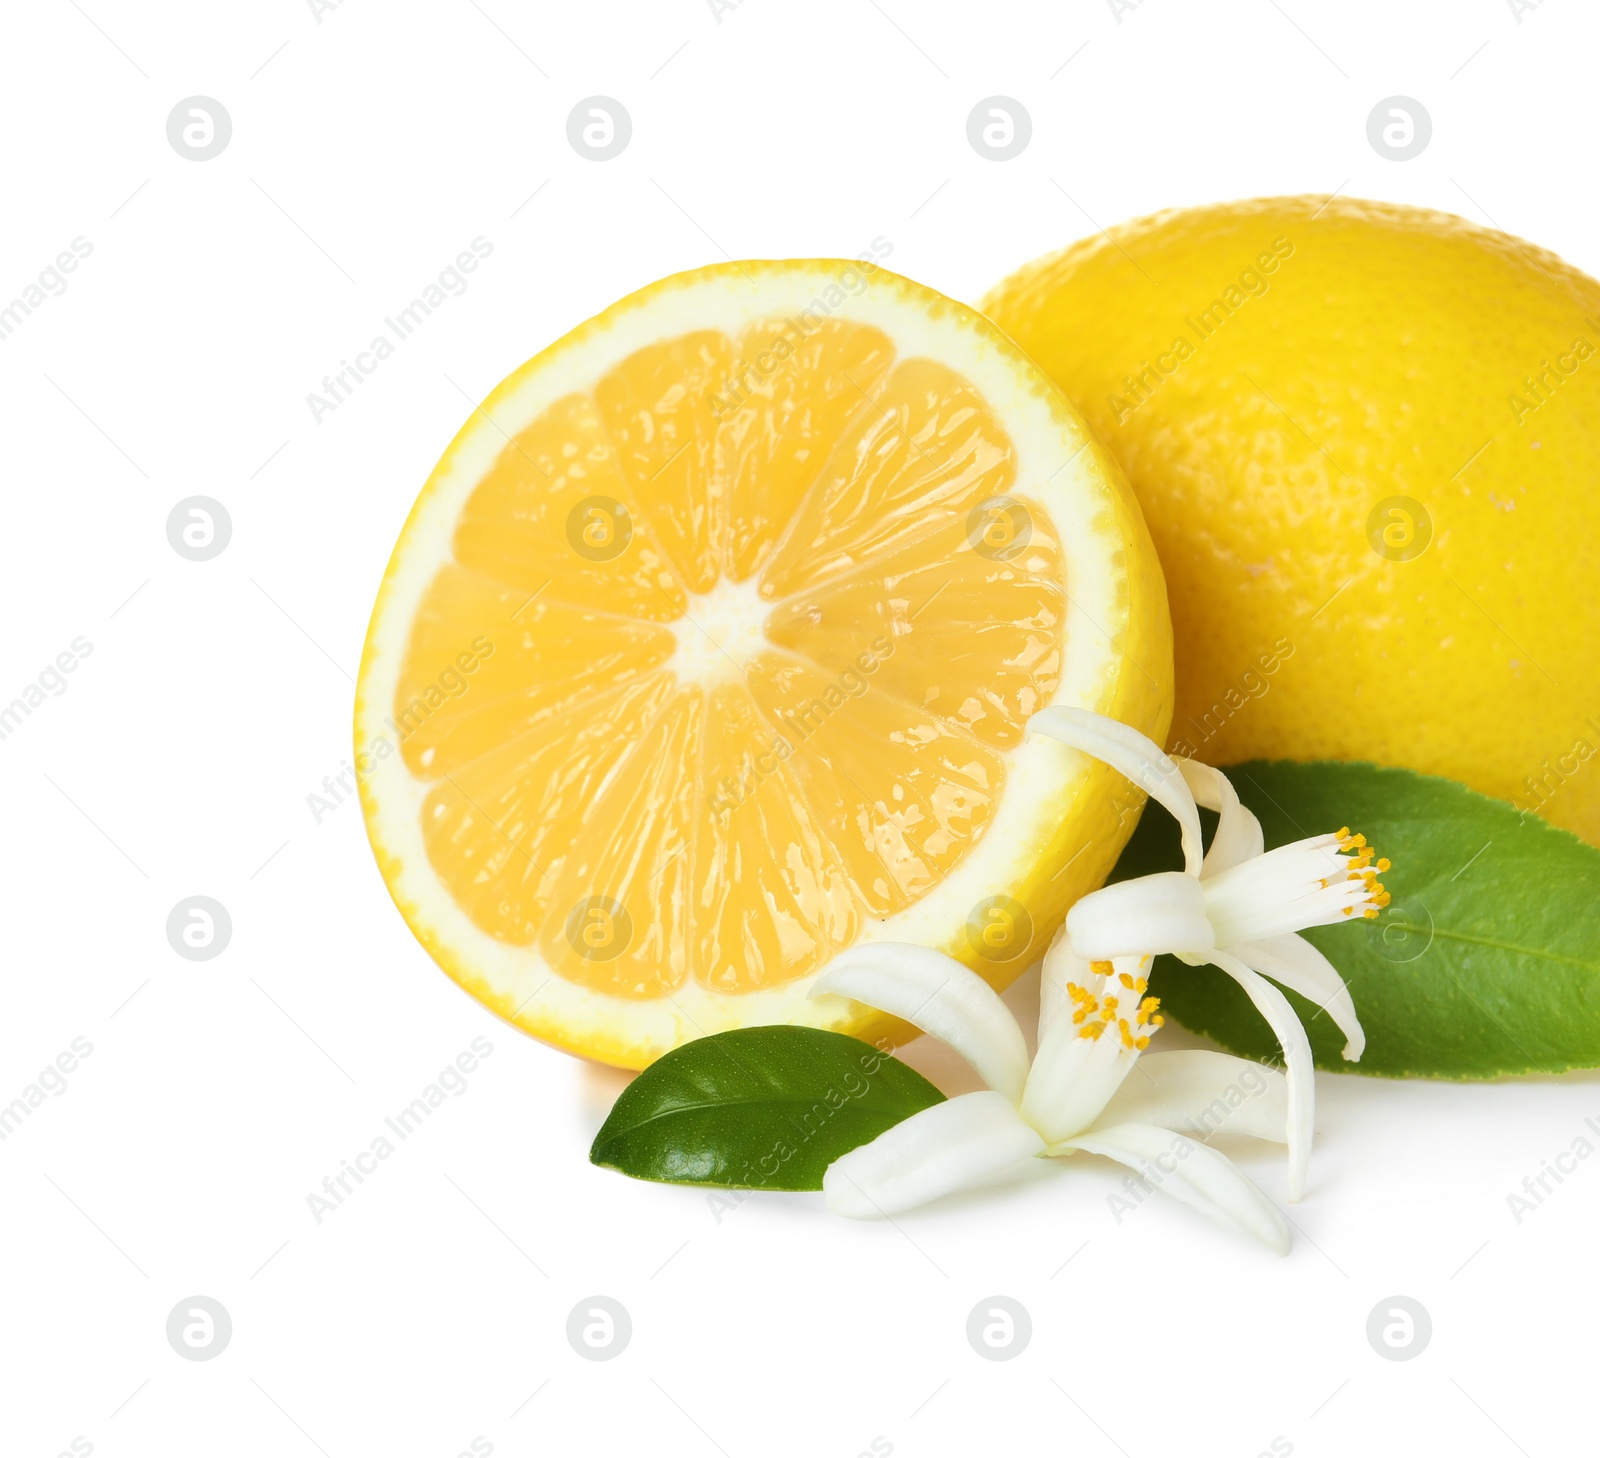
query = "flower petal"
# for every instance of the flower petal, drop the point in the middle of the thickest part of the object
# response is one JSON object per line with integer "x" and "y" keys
{"x": 1200, "y": 1093}
{"x": 1163, "y": 912}
{"x": 1238, "y": 836}
{"x": 937, "y": 994}
{"x": 1072, "y": 1079}
{"x": 1140, "y": 759}
{"x": 1299, "y": 966}
{"x": 1299, "y": 1069}
{"x": 1310, "y": 882}
{"x": 1194, "y": 1173}
{"x": 1062, "y": 964}
{"x": 964, "y": 1142}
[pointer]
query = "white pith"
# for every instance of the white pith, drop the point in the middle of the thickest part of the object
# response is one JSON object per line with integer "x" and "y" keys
{"x": 719, "y": 633}
{"x": 1058, "y": 466}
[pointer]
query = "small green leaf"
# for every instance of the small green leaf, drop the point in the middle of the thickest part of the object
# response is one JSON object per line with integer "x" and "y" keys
{"x": 1487, "y": 961}
{"x": 757, "y": 1108}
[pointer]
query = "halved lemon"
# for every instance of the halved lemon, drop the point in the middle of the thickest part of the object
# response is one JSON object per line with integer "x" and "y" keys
{"x": 707, "y": 649}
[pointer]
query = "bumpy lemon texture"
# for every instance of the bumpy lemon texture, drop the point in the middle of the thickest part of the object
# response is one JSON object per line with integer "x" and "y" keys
{"x": 707, "y": 651}
{"x": 1367, "y": 441}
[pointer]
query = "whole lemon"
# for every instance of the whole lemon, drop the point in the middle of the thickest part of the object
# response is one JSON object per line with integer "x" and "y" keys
{"x": 1366, "y": 438}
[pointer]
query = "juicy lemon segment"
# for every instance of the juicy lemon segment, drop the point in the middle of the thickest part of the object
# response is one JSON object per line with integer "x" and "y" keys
{"x": 760, "y": 845}
{"x": 772, "y": 445}
{"x": 708, "y": 650}
{"x": 985, "y": 659}
{"x": 543, "y": 519}
{"x": 926, "y": 450}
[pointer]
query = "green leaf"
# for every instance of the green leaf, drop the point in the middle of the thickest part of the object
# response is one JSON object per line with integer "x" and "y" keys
{"x": 757, "y": 1108}
{"x": 1487, "y": 961}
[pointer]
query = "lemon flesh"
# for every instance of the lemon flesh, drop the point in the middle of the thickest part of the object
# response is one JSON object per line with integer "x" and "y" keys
{"x": 707, "y": 650}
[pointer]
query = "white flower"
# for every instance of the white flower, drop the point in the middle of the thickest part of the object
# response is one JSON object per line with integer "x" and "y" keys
{"x": 1235, "y": 907}
{"x": 1075, "y": 1096}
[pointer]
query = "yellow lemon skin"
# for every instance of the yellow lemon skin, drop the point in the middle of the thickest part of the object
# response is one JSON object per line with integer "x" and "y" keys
{"x": 1366, "y": 439}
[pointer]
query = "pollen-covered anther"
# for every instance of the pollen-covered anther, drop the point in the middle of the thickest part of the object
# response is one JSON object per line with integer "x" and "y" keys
{"x": 1101, "y": 969}
{"x": 1146, "y": 1008}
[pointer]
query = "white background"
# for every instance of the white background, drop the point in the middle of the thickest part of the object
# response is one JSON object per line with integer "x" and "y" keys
{"x": 368, "y": 149}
